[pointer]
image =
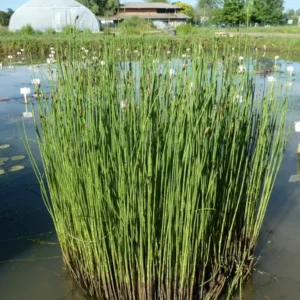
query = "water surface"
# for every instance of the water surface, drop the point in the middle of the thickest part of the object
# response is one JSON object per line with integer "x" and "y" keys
{"x": 30, "y": 259}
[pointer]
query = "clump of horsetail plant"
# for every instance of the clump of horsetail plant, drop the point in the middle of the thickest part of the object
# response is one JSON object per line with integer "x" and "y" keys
{"x": 158, "y": 181}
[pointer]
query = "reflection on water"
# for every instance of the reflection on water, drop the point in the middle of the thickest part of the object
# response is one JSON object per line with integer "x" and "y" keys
{"x": 30, "y": 259}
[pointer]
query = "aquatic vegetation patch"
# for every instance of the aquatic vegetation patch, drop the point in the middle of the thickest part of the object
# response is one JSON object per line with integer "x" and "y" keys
{"x": 5, "y": 146}
{"x": 16, "y": 168}
{"x": 158, "y": 170}
{"x": 18, "y": 157}
{"x": 3, "y": 160}
{"x": 2, "y": 171}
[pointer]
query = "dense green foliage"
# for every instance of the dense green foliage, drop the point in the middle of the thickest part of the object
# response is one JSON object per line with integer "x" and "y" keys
{"x": 186, "y": 9}
{"x": 267, "y": 11}
{"x": 4, "y": 18}
{"x": 240, "y": 11}
{"x": 135, "y": 26}
{"x": 231, "y": 12}
{"x": 158, "y": 170}
{"x": 101, "y": 7}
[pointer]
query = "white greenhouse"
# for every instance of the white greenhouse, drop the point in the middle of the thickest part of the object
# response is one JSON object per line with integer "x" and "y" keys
{"x": 54, "y": 14}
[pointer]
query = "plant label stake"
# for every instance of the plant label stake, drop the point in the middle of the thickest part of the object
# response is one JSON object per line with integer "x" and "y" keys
{"x": 295, "y": 178}
{"x": 27, "y": 114}
{"x": 25, "y": 91}
{"x": 297, "y": 126}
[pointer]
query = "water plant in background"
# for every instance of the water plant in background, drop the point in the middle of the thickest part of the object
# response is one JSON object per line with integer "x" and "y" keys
{"x": 158, "y": 181}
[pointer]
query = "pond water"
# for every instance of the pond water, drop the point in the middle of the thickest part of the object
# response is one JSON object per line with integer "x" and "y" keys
{"x": 30, "y": 259}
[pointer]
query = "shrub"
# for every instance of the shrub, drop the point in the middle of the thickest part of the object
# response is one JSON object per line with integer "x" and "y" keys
{"x": 27, "y": 30}
{"x": 50, "y": 31}
{"x": 135, "y": 26}
{"x": 69, "y": 30}
{"x": 184, "y": 29}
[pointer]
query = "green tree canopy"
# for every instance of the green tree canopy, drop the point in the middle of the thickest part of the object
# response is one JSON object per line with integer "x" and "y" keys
{"x": 101, "y": 7}
{"x": 186, "y": 9}
{"x": 4, "y": 18}
{"x": 267, "y": 11}
{"x": 233, "y": 11}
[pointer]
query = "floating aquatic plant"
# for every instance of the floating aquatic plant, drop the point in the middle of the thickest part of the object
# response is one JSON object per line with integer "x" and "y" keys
{"x": 3, "y": 160}
{"x": 161, "y": 195}
{"x": 14, "y": 158}
{"x": 5, "y": 146}
{"x": 16, "y": 168}
{"x": 2, "y": 171}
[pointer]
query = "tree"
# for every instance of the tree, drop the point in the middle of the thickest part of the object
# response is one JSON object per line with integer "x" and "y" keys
{"x": 267, "y": 11}
{"x": 4, "y": 18}
{"x": 207, "y": 7}
{"x": 101, "y": 7}
{"x": 233, "y": 11}
{"x": 298, "y": 12}
{"x": 290, "y": 12}
{"x": 10, "y": 12}
{"x": 186, "y": 9}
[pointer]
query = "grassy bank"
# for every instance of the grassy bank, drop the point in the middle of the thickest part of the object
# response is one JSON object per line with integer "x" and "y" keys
{"x": 158, "y": 171}
{"x": 38, "y": 45}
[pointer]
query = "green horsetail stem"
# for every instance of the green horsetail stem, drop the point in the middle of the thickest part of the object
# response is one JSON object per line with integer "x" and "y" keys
{"x": 158, "y": 168}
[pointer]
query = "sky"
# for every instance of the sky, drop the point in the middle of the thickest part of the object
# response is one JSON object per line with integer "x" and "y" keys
{"x": 14, "y": 4}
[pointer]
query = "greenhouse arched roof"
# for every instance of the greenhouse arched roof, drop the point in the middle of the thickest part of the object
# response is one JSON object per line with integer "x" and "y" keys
{"x": 54, "y": 14}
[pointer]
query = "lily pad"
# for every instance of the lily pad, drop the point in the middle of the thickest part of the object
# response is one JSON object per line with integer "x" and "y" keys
{"x": 4, "y": 146}
{"x": 16, "y": 168}
{"x": 3, "y": 160}
{"x": 19, "y": 157}
{"x": 2, "y": 172}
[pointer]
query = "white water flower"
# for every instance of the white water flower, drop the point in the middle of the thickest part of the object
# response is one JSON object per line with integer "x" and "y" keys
{"x": 290, "y": 69}
{"x": 276, "y": 57}
{"x": 19, "y": 53}
{"x": 22, "y": 50}
{"x": 86, "y": 51}
{"x": 241, "y": 69}
{"x": 271, "y": 79}
{"x": 51, "y": 48}
{"x": 52, "y": 52}
{"x": 241, "y": 58}
{"x": 82, "y": 48}
{"x": 94, "y": 58}
{"x": 135, "y": 51}
{"x": 51, "y": 55}
{"x": 172, "y": 72}
{"x": 10, "y": 56}
{"x": 49, "y": 60}
{"x": 188, "y": 49}
{"x": 102, "y": 63}
{"x": 239, "y": 99}
{"x": 184, "y": 55}
{"x": 118, "y": 49}
{"x": 155, "y": 61}
{"x": 232, "y": 48}
{"x": 124, "y": 104}
{"x": 168, "y": 52}
{"x": 83, "y": 57}
{"x": 289, "y": 84}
